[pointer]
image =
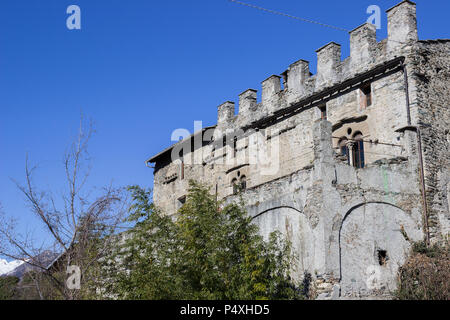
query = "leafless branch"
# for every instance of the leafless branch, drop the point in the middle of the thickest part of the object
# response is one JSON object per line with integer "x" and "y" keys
{"x": 81, "y": 229}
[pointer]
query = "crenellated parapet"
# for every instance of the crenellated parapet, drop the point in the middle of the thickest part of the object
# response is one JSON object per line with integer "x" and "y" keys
{"x": 299, "y": 84}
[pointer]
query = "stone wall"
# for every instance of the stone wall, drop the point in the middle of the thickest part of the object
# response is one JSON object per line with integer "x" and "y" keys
{"x": 351, "y": 226}
{"x": 431, "y": 74}
{"x": 339, "y": 218}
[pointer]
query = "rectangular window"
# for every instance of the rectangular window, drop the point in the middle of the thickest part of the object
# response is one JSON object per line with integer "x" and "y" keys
{"x": 323, "y": 112}
{"x": 366, "y": 96}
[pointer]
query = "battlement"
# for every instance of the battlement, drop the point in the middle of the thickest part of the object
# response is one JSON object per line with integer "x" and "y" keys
{"x": 299, "y": 83}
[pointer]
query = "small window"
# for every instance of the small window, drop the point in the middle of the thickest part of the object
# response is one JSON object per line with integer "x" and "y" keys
{"x": 243, "y": 183}
{"x": 235, "y": 186}
{"x": 382, "y": 257}
{"x": 366, "y": 96}
{"x": 234, "y": 146}
{"x": 323, "y": 112}
{"x": 181, "y": 201}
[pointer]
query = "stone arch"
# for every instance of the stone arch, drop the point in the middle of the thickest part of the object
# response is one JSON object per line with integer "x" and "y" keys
{"x": 374, "y": 241}
{"x": 295, "y": 227}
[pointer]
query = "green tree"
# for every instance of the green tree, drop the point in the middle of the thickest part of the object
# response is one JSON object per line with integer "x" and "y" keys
{"x": 207, "y": 251}
{"x": 8, "y": 287}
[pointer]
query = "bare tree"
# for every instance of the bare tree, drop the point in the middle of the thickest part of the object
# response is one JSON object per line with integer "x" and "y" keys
{"x": 80, "y": 223}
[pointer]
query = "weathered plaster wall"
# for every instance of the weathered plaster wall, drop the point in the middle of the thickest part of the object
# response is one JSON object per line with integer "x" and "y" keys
{"x": 374, "y": 243}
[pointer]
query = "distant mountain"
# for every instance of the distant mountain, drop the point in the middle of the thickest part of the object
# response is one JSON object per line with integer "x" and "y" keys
{"x": 7, "y": 267}
{"x": 19, "y": 268}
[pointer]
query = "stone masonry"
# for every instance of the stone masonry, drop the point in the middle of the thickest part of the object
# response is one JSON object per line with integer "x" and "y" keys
{"x": 356, "y": 157}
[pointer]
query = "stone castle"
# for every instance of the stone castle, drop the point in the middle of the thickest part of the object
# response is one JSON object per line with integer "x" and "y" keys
{"x": 356, "y": 163}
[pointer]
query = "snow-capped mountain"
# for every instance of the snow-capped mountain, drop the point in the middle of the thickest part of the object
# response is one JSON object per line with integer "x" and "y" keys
{"x": 6, "y": 267}
{"x": 19, "y": 268}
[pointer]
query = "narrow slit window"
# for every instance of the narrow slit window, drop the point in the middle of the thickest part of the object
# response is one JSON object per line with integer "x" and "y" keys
{"x": 182, "y": 169}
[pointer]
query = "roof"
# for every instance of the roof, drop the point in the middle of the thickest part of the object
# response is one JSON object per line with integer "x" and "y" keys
{"x": 168, "y": 149}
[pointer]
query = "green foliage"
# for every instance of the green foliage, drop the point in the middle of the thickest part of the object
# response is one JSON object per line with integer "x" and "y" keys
{"x": 8, "y": 287}
{"x": 32, "y": 286}
{"x": 209, "y": 251}
{"x": 426, "y": 273}
{"x": 35, "y": 285}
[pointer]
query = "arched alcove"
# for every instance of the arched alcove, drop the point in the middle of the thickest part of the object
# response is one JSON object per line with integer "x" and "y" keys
{"x": 295, "y": 227}
{"x": 374, "y": 241}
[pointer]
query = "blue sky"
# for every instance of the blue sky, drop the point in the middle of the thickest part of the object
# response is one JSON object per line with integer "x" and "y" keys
{"x": 141, "y": 69}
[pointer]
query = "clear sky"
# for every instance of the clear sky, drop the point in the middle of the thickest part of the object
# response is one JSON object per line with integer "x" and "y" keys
{"x": 142, "y": 68}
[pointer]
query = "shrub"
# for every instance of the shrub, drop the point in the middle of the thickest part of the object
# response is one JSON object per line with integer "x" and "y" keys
{"x": 426, "y": 273}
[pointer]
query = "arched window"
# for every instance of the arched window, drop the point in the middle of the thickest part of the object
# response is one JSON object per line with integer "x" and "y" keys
{"x": 343, "y": 146}
{"x": 243, "y": 183}
{"x": 343, "y": 149}
{"x": 358, "y": 150}
{"x": 235, "y": 186}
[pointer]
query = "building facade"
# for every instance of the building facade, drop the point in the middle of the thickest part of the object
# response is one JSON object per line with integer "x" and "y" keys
{"x": 351, "y": 164}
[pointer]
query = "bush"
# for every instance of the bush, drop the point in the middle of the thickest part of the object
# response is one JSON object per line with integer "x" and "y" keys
{"x": 426, "y": 274}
